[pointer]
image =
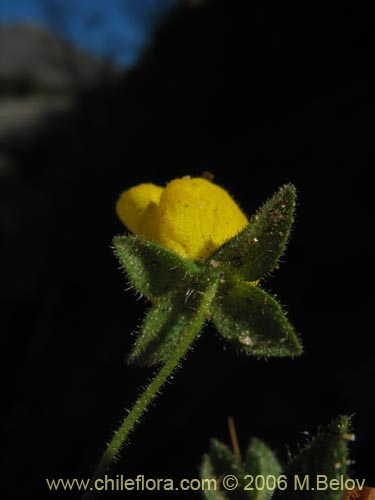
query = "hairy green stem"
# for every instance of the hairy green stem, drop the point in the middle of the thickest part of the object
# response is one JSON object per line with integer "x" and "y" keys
{"x": 153, "y": 389}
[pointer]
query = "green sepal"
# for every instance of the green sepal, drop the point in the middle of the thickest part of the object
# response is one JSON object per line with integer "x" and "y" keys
{"x": 168, "y": 319}
{"x": 219, "y": 462}
{"x": 256, "y": 250}
{"x": 261, "y": 461}
{"x": 253, "y": 321}
{"x": 153, "y": 270}
{"x": 326, "y": 455}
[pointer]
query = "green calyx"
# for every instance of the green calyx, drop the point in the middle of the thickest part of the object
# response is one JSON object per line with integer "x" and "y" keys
{"x": 243, "y": 313}
{"x": 261, "y": 476}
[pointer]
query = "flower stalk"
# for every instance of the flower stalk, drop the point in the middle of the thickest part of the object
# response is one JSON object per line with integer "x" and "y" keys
{"x": 153, "y": 389}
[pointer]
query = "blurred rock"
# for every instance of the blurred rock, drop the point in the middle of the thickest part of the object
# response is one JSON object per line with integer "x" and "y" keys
{"x": 33, "y": 58}
{"x": 18, "y": 115}
{"x": 40, "y": 75}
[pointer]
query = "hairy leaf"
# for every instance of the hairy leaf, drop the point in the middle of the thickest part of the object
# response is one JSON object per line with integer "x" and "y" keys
{"x": 221, "y": 462}
{"x": 261, "y": 461}
{"x": 169, "y": 318}
{"x": 256, "y": 250}
{"x": 252, "y": 320}
{"x": 325, "y": 456}
{"x": 153, "y": 270}
{"x": 207, "y": 474}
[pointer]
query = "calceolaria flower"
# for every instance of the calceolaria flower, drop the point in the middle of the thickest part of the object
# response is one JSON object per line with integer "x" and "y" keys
{"x": 195, "y": 255}
{"x": 190, "y": 216}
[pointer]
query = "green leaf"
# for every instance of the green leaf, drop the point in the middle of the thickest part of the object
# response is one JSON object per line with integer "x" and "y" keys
{"x": 220, "y": 462}
{"x": 261, "y": 461}
{"x": 325, "y": 456}
{"x": 153, "y": 270}
{"x": 251, "y": 319}
{"x": 168, "y": 319}
{"x": 207, "y": 473}
{"x": 254, "y": 252}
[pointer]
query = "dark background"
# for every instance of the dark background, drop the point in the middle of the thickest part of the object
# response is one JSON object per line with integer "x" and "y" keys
{"x": 259, "y": 97}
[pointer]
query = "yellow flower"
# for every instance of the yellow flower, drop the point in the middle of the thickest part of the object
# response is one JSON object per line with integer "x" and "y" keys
{"x": 190, "y": 216}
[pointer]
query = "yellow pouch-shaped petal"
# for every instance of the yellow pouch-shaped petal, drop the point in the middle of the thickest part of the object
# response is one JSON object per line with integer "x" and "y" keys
{"x": 149, "y": 223}
{"x": 197, "y": 217}
{"x": 137, "y": 209}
